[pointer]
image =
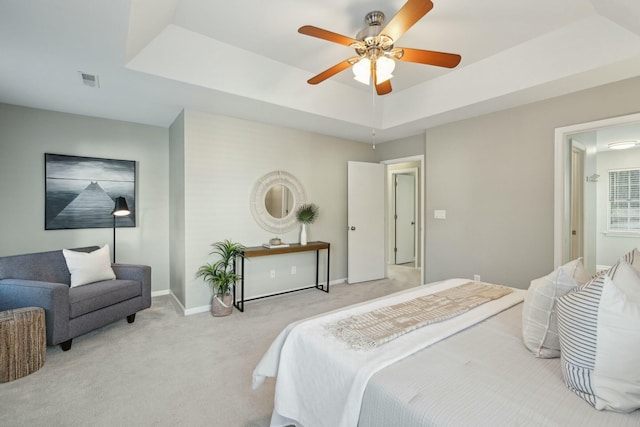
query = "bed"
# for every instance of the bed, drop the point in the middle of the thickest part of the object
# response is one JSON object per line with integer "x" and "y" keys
{"x": 480, "y": 375}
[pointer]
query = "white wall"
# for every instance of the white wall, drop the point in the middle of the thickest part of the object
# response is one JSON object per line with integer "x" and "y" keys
{"x": 610, "y": 247}
{"x": 494, "y": 176}
{"x": 223, "y": 159}
{"x": 26, "y": 134}
{"x": 176, "y": 208}
{"x": 401, "y": 148}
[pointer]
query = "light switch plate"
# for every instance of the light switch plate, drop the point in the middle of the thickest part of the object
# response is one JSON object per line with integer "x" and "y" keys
{"x": 440, "y": 214}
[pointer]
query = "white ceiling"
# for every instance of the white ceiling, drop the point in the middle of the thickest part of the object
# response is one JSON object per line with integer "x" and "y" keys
{"x": 245, "y": 59}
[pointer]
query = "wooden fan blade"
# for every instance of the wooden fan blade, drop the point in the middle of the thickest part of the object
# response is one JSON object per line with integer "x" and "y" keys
{"x": 329, "y": 72}
{"x": 429, "y": 57}
{"x": 312, "y": 31}
{"x": 381, "y": 88}
{"x": 384, "y": 87}
{"x": 408, "y": 15}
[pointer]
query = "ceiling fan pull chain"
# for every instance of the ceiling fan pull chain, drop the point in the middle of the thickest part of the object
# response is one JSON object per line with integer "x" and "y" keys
{"x": 373, "y": 115}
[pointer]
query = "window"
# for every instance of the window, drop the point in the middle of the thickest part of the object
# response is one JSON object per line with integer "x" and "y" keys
{"x": 624, "y": 200}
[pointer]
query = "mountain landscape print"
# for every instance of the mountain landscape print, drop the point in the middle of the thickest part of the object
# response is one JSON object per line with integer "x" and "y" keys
{"x": 80, "y": 192}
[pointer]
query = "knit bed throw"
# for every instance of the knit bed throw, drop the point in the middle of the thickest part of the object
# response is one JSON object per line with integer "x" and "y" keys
{"x": 374, "y": 328}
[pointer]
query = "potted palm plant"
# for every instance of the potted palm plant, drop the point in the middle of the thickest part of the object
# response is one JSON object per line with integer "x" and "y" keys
{"x": 306, "y": 214}
{"x": 221, "y": 276}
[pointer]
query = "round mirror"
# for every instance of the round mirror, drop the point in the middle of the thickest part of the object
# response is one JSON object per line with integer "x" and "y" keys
{"x": 278, "y": 201}
{"x": 274, "y": 200}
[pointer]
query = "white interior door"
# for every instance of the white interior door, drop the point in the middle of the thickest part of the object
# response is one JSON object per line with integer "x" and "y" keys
{"x": 577, "y": 203}
{"x": 365, "y": 216}
{"x": 404, "y": 199}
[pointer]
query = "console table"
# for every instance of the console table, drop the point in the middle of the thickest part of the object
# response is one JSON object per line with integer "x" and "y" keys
{"x": 256, "y": 251}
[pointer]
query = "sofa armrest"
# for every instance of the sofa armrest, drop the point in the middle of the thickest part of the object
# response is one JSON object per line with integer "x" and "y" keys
{"x": 52, "y": 297}
{"x": 140, "y": 273}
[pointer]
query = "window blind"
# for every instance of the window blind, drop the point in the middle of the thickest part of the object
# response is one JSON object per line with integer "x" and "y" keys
{"x": 624, "y": 200}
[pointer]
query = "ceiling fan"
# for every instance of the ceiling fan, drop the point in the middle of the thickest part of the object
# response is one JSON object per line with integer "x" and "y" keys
{"x": 375, "y": 49}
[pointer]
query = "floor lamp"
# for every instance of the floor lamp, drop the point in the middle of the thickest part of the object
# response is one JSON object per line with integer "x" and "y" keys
{"x": 120, "y": 209}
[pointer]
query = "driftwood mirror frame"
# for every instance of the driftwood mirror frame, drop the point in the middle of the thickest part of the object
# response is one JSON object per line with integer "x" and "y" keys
{"x": 258, "y": 206}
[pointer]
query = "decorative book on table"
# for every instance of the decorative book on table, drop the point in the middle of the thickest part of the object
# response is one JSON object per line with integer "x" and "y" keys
{"x": 270, "y": 246}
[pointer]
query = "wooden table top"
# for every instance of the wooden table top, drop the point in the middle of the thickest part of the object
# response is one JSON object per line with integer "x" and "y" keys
{"x": 256, "y": 251}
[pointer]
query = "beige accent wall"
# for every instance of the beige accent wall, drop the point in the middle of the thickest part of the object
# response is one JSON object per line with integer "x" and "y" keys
{"x": 494, "y": 176}
{"x": 223, "y": 158}
{"x": 26, "y": 134}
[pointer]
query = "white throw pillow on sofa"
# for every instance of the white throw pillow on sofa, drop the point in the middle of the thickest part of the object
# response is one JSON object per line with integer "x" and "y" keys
{"x": 89, "y": 267}
{"x": 599, "y": 326}
{"x": 539, "y": 318}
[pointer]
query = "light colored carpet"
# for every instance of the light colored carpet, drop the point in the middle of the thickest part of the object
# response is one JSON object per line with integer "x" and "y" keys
{"x": 404, "y": 273}
{"x": 169, "y": 370}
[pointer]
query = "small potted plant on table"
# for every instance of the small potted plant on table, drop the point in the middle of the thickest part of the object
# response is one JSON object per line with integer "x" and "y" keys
{"x": 306, "y": 214}
{"x": 221, "y": 276}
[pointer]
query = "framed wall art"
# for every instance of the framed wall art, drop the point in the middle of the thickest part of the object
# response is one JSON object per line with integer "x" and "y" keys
{"x": 80, "y": 192}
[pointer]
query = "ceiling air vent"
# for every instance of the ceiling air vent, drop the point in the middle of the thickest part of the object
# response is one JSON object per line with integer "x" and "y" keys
{"x": 90, "y": 80}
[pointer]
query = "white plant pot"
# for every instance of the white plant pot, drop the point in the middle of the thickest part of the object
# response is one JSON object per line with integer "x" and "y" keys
{"x": 221, "y": 307}
{"x": 303, "y": 234}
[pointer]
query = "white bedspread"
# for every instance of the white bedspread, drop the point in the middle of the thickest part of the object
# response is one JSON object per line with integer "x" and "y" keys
{"x": 321, "y": 381}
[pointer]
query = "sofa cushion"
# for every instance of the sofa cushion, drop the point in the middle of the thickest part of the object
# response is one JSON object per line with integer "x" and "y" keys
{"x": 89, "y": 267}
{"x": 92, "y": 297}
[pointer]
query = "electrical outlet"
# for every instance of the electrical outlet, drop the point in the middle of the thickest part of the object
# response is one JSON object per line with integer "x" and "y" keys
{"x": 476, "y": 277}
{"x": 440, "y": 214}
{"x": 273, "y": 274}
{"x": 293, "y": 269}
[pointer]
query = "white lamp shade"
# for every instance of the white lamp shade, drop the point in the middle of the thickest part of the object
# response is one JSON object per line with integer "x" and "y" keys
{"x": 384, "y": 68}
{"x": 362, "y": 70}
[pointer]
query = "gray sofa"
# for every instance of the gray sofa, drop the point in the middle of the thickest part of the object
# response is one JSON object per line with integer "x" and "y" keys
{"x": 43, "y": 280}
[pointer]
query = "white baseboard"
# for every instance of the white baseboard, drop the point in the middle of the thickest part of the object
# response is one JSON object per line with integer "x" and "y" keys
{"x": 196, "y": 310}
{"x": 206, "y": 308}
{"x": 187, "y": 312}
{"x": 160, "y": 293}
{"x": 176, "y": 302}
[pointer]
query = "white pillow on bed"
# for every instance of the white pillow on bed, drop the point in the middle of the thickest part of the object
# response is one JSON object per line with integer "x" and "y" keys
{"x": 599, "y": 328}
{"x": 539, "y": 319}
{"x": 89, "y": 267}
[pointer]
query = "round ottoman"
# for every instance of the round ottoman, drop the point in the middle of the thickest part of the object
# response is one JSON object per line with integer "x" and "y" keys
{"x": 23, "y": 342}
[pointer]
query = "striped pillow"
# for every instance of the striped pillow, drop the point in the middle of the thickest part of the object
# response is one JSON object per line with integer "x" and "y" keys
{"x": 598, "y": 326}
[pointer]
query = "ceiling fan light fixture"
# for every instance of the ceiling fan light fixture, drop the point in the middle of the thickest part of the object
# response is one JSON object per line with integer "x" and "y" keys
{"x": 622, "y": 145}
{"x": 384, "y": 69}
{"x": 361, "y": 70}
{"x": 376, "y": 42}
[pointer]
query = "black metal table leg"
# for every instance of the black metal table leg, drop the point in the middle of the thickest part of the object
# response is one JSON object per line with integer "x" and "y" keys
{"x": 317, "y": 269}
{"x": 328, "y": 258}
{"x": 239, "y": 304}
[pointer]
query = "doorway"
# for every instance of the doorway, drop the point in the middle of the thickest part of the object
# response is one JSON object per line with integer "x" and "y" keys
{"x": 403, "y": 217}
{"x": 589, "y": 135}
{"x": 404, "y": 239}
